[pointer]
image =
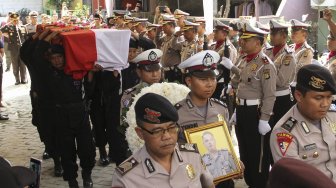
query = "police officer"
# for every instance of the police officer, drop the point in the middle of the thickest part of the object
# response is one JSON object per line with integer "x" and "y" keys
{"x": 151, "y": 30}
{"x": 218, "y": 161}
{"x": 303, "y": 53}
{"x": 139, "y": 25}
{"x": 331, "y": 61}
{"x": 6, "y": 41}
{"x": 119, "y": 19}
{"x": 180, "y": 16}
{"x": 199, "y": 108}
{"x": 72, "y": 113}
{"x": 284, "y": 62}
{"x": 265, "y": 28}
{"x": 16, "y": 34}
{"x": 189, "y": 46}
{"x": 161, "y": 161}
{"x": 98, "y": 22}
{"x": 256, "y": 79}
{"x": 31, "y": 27}
{"x": 171, "y": 57}
{"x": 307, "y": 131}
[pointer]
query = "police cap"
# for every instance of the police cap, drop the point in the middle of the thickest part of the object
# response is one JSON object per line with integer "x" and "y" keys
{"x": 149, "y": 60}
{"x": 155, "y": 109}
{"x": 316, "y": 78}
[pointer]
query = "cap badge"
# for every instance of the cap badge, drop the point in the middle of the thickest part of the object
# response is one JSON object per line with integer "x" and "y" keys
{"x": 208, "y": 60}
{"x": 317, "y": 82}
{"x": 152, "y": 115}
{"x": 152, "y": 56}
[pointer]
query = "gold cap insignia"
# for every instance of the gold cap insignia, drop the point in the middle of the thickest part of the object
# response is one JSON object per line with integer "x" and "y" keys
{"x": 317, "y": 82}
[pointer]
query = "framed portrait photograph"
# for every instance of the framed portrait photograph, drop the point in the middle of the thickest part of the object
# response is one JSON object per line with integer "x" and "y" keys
{"x": 216, "y": 148}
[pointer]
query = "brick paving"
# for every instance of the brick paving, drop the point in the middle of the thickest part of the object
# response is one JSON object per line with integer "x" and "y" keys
{"x": 19, "y": 139}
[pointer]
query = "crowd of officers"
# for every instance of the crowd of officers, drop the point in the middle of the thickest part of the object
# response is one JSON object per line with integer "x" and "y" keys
{"x": 233, "y": 74}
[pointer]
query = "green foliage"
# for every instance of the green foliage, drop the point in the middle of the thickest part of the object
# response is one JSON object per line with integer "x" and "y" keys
{"x": 81, "y": 10}
{"x": 57, "y": 4}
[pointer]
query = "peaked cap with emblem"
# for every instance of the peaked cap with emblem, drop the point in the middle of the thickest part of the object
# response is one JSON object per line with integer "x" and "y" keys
{"x": 155, "y": 109}
{"x": 202, "y": 64}
{"x": 189, "y": 25}
{"x": 166, "y": 18}
{"x": 151, "y": 26}
{"x": 137, "y": 21}
{"x": 199, "y": 20}
{"x": 179, "y": 13}
{"x": 316, "y": 78}
{"x": 119, "y": 14}
{"x": 263, "y": 27}
{"x": 277, "y": 26}
{"x": 249, "y": 31}
{"x": 15, "y": 16}
{"x": 297, "y": 25}
{"x": 128, "y": 19}
{"x": 221, "y": 26}
{"x": 33, "y": 14}
{"x": 149, "y": 60}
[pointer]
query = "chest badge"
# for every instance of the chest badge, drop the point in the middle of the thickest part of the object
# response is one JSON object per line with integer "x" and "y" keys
{"x": 333, "y": 127}
{"x": 190, "y": 171}
{"x": 220, "y": 117}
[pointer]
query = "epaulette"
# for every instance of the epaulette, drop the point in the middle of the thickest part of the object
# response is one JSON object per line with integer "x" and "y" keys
{"x": 265, "y": 60}
{"x": 332, "y": 108}
{"x": 188, "y": 147}
{"x": 289, "y": 51}
{"x": 269, "y": 48}
{"x": 289, "y": 124}
{"x": 130, "y": 90}
{"x": 218, "y": 102}
{"x": 177, "y": 106}
{"x": 127, "y": 165}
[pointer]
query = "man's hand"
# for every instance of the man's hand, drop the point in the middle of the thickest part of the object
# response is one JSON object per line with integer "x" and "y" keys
{"x": 51, "y": 36}
{"x": 178, "y": 33}
{"x": 97, "y": 68}
{"x": 227, "y": 63}
{"x": 327, "y": 15}
{"x": 43, "y": 34}
{"x": 242, "y": 167}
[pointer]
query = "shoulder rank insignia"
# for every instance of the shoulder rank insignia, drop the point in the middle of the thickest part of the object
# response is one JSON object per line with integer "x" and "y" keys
{"x": 127, "y": 165}
{"x": 188, "y": 147}
{"x": 284, "y": 140}
{"x": 177, "y": 106}
{"x": 218, "y": 102}
{"x": 189, "y": 103}
{"x": 265, "y": 60}
{"x": 289, "y": 124}
{"x": 149, "y": 165}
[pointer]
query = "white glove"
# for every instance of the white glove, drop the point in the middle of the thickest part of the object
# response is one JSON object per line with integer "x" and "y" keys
{"x": 228, "y": 89}
{"x": 264, "y": 127}
{"x": 227, "y": 63}
{"x": 233, "y": 118}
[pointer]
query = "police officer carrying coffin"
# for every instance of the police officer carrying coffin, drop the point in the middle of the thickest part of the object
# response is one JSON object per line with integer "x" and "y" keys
{"x": 256, "y": 78}
{"x": 189, "y": 46}
{"x": 307, "y": 131}
{"x": 161, "y": 161}
{"x": 16, "y": 34}
{"x": 72, "y": 114}
{"x": 199, "y": 108}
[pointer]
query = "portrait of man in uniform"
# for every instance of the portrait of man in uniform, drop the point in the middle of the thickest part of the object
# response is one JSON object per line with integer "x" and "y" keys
{"x": 217, "y": 151}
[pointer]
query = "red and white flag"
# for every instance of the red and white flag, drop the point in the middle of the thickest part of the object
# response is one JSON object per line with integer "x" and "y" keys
{"x": 84, "y": 48}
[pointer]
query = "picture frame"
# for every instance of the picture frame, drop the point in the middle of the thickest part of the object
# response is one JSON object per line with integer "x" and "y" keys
{"x": 215, "y": 146}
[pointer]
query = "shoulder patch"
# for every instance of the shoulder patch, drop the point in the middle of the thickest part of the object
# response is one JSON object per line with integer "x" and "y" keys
{"x": 265, "y": 60}
{"x": 289, "y": 124}
{"x": 177, "y": 106}
{"x": 218, "y": 102}
{"x": 284, "y": 140}
{"x": 130, "y": 90}
{"x": 188, "y": 147}
{"x": 287, "y": 60}
{"x": 332, "y": 108}
{"x": 127, "y": 166}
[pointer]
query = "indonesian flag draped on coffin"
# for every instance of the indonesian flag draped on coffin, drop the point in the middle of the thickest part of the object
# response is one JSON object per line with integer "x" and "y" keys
{"x": 84, "y": 48}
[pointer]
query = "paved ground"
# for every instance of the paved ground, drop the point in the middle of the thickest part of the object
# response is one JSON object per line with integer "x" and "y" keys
{"x": 19, "y": 139}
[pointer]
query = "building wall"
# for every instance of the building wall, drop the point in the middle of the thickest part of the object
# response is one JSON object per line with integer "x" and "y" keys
{"x": 15, "y": 5}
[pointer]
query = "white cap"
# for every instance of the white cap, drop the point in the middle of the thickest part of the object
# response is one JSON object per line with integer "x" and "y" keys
{"x": 297, "y": 25}
{"x": 128, "y": 19}
{"x": 262, "y": 26}
{"x": 188, "y": 25}
{"x": 166, "y": 18}
{"x": 276, "y": 25}
{"x": 221, "y": 26}
{"x": 250, "y": 31}
{"x": 149, "y": 59}
{"x": 151, "y": 26}
{"x": 199, "y": 20}
{"x": 202, "y": 64}
{"x": 179, "y": 13}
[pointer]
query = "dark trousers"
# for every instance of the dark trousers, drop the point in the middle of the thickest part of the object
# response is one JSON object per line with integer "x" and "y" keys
{"x": 19, "y": 68}
{"x": 174, "y": 75}
{"x": 8, "y": 55}
{"x": 75, "y": 139}
{"x": 250, "y": 146}
{"x": 1, "y": 76}
{"x": 226, "y": 184}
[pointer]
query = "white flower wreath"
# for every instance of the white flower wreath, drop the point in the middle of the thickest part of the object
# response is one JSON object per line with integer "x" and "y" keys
{"x": 172, "y": 91}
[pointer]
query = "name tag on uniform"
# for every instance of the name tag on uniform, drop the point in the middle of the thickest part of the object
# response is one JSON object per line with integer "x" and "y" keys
{"x": 310, "y": 147}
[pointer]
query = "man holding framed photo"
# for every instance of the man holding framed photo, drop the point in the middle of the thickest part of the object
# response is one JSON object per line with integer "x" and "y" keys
{"x": 199, "y": 108}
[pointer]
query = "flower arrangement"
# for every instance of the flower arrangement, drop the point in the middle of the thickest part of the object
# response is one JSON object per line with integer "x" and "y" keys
{"x": 172, "y": 91}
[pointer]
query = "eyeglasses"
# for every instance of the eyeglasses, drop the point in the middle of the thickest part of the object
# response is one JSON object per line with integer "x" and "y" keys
{"x": 160, "y": 132}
